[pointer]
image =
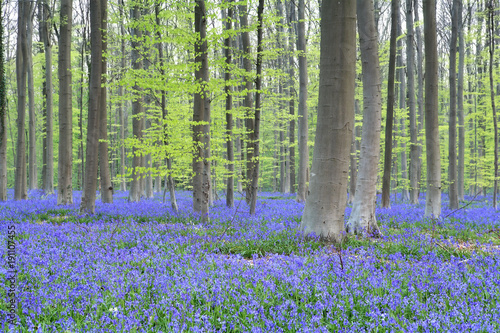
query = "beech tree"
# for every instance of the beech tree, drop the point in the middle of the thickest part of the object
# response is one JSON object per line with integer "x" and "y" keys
{"x": 362, "y": 219}
{"x": 433, "y": 196}
{"x": 229, "y": 106}
{"x": 65, "y": 165}
{"x": 325, "y": 207}
{"x": 20, "y": 187}
{"x": 491, "y": 48}
{"x": 303, "y": 126}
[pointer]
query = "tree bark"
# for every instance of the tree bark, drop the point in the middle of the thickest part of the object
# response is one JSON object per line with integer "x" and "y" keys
{"x": 94, "y": 114}
{"x": 491, "y": 48}
{"x": 256, "y": 133}
{"x": 32, "y": 165}
{"x": 405, "y": 194}
{"x": 291, "y": 94}
{"x": 65, "y": 165}
{"x": 248, "y": 101}
{"x": 325, "y": 207}
{"x": 410, "y": 56}
{"x": 48, "y": 151}
{"x": 121, "y": 105}
{"x": 460, "y": 107}
{"x": 420, "y": 93}
{"x": 229, "y": 106}
{"x": 104, "y": 172}
{"x": 362, "y": 219}
{"x": 20, "y": 186}
{"x": 386, "y": 180}
{"x": 433, "y": 197}
{"x": 303, "y": 128}
{"x": 201, "y": 183}
{"x": 135, "y": 192}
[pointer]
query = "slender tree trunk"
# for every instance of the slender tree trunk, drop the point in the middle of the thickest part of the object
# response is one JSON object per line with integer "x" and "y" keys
{"x": 104, "y": 172}
{"x": 164, "y": 112}
{"x": 238, "y": 144}
{"x": 410, "y": 56}
{"x": 3, "y": 115}
{"x": 135, "y": 192}
{"x": 258, "y": 86}
{"x": 121, "y": 105}
{"x": 433, "y": 197}
{"x": 405, "y": 194}
{"x": 291, "y": 94}
{"x": 32, "y": 167}
{"x": 94, "y": 115}
{"x": 386, "y": 180}
{"x": 201, "y": 183}
{"x": 420, "y": 92}
{"x": 303, "y": 128}
{"x": 452, "y": 146}
{"x": 65, "y": 167}
{"x": 229, "y": 106}
{"x": 248, "y": 102}
{"x": 491, "y": 48}
{"x": 48, "y": 152}
{"x": 20, "y": 187}
{"x": 460, "y": 107}
{"x": 325, "y": 207}
{"x": 362, "y": 219}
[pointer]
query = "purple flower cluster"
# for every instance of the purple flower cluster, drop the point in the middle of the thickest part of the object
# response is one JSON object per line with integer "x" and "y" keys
{"x": 139, "y": 267}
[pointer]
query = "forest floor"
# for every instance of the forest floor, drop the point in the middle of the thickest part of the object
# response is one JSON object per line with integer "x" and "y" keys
{"x": 138, "y": 267}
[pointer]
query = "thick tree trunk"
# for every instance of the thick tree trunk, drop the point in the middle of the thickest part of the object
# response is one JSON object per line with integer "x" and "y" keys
{"x": 20, "y": 186}
{"x": 433, "y": 197}
{"x": 48, "y": 151}
{"x": 303, "y": 128}
{"x": 201, "y": 183}
{"x": 94, "y": 115}
{"x": 229, "y": 114}
{"x": 362, "y": 219}
{"x": 386, "y": 180}
{"x": 32, "y": 167}
{"x": 325, "y": 207}
{"x": 3, "y": 115}
{"x": 135, "y": 192}
{"x": 104, "y": 172}
{"x": 258, "y": 86}
{"x": 410, "y": 59}
{"x": 460, "y": 107}
{"x": 248, "y": 101}
{"x": 452, "y": 136}
{"x": 65, "y": 165}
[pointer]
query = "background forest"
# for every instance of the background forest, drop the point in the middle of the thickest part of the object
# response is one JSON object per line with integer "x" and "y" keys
{"x": 149, "y": 81}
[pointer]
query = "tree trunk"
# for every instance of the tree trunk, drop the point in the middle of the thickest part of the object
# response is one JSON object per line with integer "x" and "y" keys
{"x": 3, "y": 115}
{"x": 433, "y": 197}
{"x": 94, "y": 115}
{"x": 229, "y": 106}
{"x": 491, "y": 48}
{"x": 325, "y": 208}
{"x": 20, "y": 186}
{"x": 405, "y": 194}
{"x": 135, "y": 192}
{"x": 32, "y": 168}
{"x": 104, "y": 172}
{"x": 303, "y": 128}
{"x": 201, "y": 183}
{"x": 65, "y": 167}
{"x": 386, "y": 180}
{"x": 420, "y": 93}
{"x": 452, "y": 136}
{"x": 410, "y": 56}
{"x": 362, "y": 219}
{"x": 460, "y": 107}
{"x": 121, "y": 106}
{"x": 248, "y": 102}
{"x": 291, "y": 94}
{"x": 48, "y": 151}
{"x": 258, "y": 86}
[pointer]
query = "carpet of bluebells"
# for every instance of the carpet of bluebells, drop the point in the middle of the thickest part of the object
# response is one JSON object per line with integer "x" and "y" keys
{"x": 139, "y": 267}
